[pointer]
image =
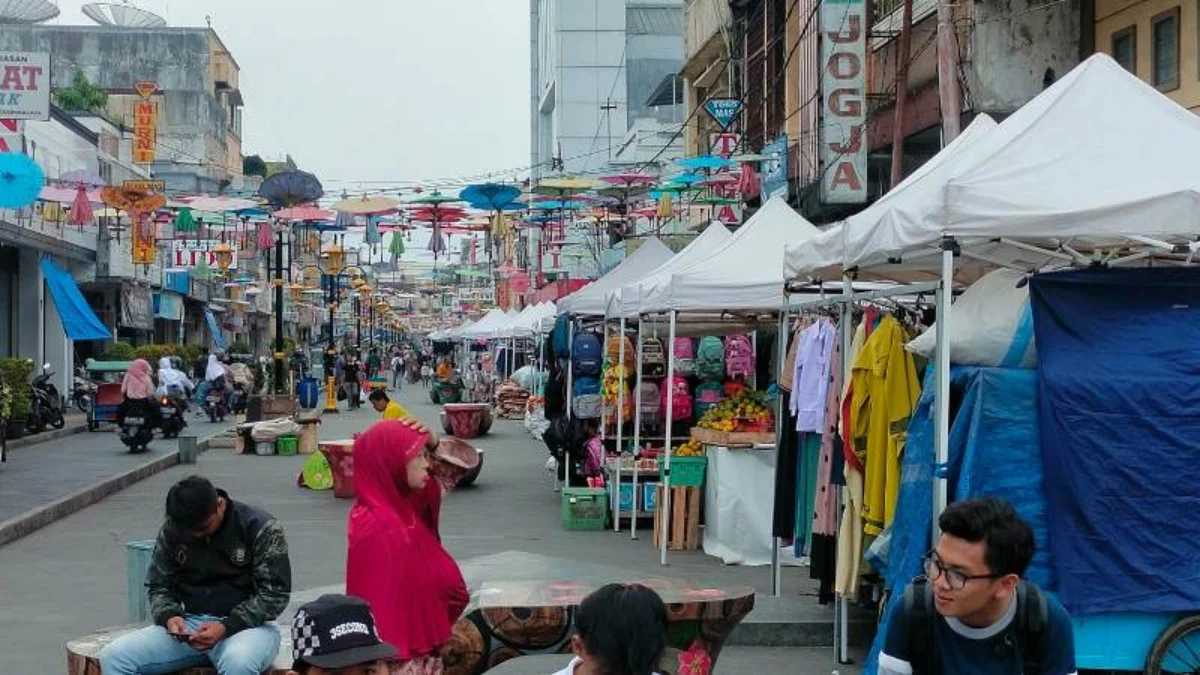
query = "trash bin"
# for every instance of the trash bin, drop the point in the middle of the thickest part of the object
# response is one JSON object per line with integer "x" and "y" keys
{"x": 137, "y": 563}
{"x": 308, "y": 392}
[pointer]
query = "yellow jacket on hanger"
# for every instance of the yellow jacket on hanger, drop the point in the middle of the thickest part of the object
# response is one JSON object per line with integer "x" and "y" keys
{"x": 885, "y": 392}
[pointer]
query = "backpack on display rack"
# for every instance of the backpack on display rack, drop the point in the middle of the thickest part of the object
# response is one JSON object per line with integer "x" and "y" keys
{"x": 586, "y": 356}
{"x": 560, "y": 337}
{"x": 707, "y": 395}
{"x": 685, "y": 357}
{"x": 681, "y": 398}
{"x": 587, "y": 401}
{"x": 710, "y": 358}
{"x": 612, "y": 352}
{"x": 654, "y": 361}
{"x": 920, "y": 617}
{"x": 651, "y": 399}
{"x": 739, "y": 356}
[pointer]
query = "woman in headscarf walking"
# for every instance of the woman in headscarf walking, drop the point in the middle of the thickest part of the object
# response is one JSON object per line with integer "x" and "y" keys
{"x": 137, "y": 392}
{"x": 396, "y": 561}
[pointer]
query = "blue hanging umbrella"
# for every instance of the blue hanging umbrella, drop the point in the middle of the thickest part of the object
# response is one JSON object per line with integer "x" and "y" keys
{"x": 706, "y": 162}
{"x": 685, "y": 178}
{"x": 555, "y": 205}
{"x": 490, "y": 196}
{"x": 21, "y": 180}
{"x": 372, "y": 235}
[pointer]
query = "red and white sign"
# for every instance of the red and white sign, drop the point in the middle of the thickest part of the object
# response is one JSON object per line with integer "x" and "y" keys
{"x": 724, "y": 145}
{"x": 10, "y": 135}
{"x": 25, "y": 85}
{"x": 189, "y": 253}
{"x": 843, "y": 93}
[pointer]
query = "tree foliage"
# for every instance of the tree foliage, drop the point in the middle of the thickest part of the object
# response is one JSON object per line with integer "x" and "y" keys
{"x": 81, "y": 95}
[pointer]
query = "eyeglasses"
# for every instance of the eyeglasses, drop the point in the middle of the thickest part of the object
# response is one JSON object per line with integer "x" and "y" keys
{"x": 955, "y": 578}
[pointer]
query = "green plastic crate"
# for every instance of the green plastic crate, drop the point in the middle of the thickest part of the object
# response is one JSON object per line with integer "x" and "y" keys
{"x": 287, "y": 445}
{"x": 685, "y": 471}
{"x": 584, "y": 508}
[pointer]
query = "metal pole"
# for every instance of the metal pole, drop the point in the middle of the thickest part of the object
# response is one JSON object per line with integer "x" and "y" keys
{"x": 942, "y": 394}
{"x": 664, "y": 507}
{"x": 279, "y": 388}
{"x": 637, "y": 432}
{"x": 570, "y": 395}
{"x": 949, "y": 95}
{"x": 780, "y": 420}
{"x": 621, "y": 380}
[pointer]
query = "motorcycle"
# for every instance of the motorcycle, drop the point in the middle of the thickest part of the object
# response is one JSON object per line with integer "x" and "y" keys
{"x": 46, "y": 404}
{"x": 137, "y": 427}
{"x": 83, "y": 392}
{"x": 238, "y": 399}
{"x": 216, "y": 406}
{"x": 171, "y": 408}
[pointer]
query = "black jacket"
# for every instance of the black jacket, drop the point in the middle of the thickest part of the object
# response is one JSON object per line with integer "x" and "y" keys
{"x": 242, "y": 572}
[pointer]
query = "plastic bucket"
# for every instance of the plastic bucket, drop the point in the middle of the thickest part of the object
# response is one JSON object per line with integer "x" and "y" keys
{"x": 287, "y": 445}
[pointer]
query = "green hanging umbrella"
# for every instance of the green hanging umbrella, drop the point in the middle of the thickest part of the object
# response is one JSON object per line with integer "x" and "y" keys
{"x": 184, "y": 222}
{"x": 396, "y": 248}
{"x": 202, "y": 269}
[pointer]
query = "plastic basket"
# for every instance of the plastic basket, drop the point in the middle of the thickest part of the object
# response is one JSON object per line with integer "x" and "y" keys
{"x": 584, "y": 508}
{"x": 287, "y": 445}
{"x": 685, "y": 471}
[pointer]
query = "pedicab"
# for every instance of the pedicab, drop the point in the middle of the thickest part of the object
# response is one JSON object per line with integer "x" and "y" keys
{"x": 107, "y": 376}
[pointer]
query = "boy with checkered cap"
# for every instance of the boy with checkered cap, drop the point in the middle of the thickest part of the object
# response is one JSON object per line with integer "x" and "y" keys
{"x": 335, "y": 635}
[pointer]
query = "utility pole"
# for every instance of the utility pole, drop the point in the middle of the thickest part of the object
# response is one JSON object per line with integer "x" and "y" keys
{"x": 903, "y": 56}
{"x": 608, "y": 107}
{"x": 949, "y": 95}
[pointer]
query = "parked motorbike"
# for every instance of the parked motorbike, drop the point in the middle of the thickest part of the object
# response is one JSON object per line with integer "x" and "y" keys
{"x": 238, "y": 399}
{"x": 216, "y": 405}
{"x": 137, "y": 425}
{"x": 83, "y": 391}
{"x": 46, "y": 404}
{"x": 171, "y": 408}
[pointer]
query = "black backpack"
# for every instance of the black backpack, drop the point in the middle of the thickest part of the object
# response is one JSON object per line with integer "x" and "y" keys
{"x": 921, "y": 619}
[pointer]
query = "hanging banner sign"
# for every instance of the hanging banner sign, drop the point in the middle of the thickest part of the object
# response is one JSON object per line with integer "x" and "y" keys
{"x": 723, "y": 110}
{"x": 144, "y": 244}
{"x": 145, "y": 131}
{"x": 136, "y": 307}
{"x": 774, "y": 170}
{"x": 144, "y": 185}
{"x": 189, "y": 253}
{"x": 724, "y": 145}
{"x": 843, "y": 132}
{"x": 10, "y": 136}
{"x": 25, "y": 85}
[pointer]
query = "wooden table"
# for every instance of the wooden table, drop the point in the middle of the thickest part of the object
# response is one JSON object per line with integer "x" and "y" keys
{"x": 508, "y": 620}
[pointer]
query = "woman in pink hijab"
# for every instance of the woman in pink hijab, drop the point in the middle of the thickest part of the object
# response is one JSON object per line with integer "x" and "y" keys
{"x": 396, "y": 561}
{"x": 138, "y": 382}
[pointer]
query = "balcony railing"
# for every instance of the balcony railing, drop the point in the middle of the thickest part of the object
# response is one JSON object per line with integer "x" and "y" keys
{"x": 704, "y": 19}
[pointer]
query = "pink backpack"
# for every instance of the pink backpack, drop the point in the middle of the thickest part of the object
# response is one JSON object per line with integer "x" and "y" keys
{"x": 685, "y": 356}
{"x": 739, "y": 356}
{"x": 681, "y": 399}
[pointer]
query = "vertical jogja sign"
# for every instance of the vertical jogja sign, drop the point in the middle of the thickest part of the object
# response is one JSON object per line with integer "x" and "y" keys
{"x": 843, "y": 94}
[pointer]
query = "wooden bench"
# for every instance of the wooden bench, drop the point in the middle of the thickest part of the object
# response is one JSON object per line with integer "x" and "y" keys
{"x": 83, "y": 654}
{"x": 683, "y": 522}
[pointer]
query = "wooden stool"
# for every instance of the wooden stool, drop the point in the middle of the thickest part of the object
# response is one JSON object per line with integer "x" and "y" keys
{"x": 683, "y": 532}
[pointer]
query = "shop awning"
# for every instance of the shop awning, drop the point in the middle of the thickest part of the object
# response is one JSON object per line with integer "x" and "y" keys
{"x": 218, "y": 336}
{"x": 78, "y": 319}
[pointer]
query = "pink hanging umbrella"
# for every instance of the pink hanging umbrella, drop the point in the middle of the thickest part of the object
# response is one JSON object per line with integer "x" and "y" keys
{"x": 81, "y": 208}
{"x": 750, "y": 186}
{"x": 265, "y": 237}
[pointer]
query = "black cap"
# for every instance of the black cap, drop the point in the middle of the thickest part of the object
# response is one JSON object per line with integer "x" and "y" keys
{"x": 336, "y": 631}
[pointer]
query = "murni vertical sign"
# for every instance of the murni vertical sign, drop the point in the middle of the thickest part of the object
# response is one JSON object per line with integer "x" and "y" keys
{"x": 843, "y": 96}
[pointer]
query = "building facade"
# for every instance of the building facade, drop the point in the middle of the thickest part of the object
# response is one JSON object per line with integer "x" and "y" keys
{"x": 1155, "y": 40}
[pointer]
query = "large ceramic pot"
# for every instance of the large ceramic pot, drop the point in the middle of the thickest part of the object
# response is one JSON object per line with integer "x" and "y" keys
{"x": 456, "y": 462}
{"x": 469, "y": 420}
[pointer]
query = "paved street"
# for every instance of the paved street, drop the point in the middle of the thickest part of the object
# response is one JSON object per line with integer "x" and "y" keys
{"x": 69, "y": 578}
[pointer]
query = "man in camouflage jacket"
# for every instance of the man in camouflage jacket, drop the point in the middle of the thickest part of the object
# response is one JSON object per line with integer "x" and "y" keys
{"x": 220, "y": 574}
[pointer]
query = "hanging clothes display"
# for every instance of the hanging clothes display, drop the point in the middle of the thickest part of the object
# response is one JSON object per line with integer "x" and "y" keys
{"x": 850, "y": 534}
{"x": 811, "y": 375}
{"x": 783, "y": 523}
{"x": 807, "y": 460}
{"x": 885, "y": 391}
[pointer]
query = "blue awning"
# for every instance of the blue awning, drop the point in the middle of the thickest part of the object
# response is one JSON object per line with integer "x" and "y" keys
{"x": 78, "y": 319}
{"x": 215, "y": 328}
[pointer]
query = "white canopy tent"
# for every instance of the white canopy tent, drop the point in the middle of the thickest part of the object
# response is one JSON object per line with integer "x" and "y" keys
{"x": 486, "y": 327}
{"x": 591, "y": 299}
{"x": 624, "y": 301}
{"x": 746, "y": 273}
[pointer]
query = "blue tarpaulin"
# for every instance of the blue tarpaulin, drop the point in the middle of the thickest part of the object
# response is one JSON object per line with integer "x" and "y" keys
{"x": 78, "y": 319}
{"x": 1119, "y": 400}
{"x": 215, "y": 329}
{"x": 994, "y": 451}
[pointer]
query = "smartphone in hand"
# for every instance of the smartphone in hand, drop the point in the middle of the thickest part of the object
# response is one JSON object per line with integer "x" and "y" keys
{"x": 181, "y": 637}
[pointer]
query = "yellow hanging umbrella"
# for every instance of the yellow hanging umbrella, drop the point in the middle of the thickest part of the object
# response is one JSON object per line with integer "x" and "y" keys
{"x": 665, "y": 208}
{"x": 366, "y": 205}
{"x": 565, "y": 186}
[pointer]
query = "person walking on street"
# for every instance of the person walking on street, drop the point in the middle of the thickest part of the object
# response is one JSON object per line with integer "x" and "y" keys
{"x": 972, "y": 612}
{"x": 373, "y": 364}
{"x": 219, "y": 575}
{"x": 397, "y": 371}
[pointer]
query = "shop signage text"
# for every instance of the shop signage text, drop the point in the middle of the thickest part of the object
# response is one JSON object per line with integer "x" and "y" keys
{"x": 145, "y": 131}
{"x": 189, "y": 253}
{"x": 25, "y": 85}
{"x": 723, "y": 110}
{"x": 843, "y": 132}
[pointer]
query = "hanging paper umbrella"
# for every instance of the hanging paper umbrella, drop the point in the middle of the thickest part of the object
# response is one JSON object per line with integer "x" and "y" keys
{"x": 704, "y": 162}
{"x": 344, "y": 219}
{"x": 629, "y": 179}
{"x": 184, "y": 222}
{"x": 434, "y": 198}
{"x": 81, "y": 208}
{"x": 304, "y": 213}
{"x": 715, "y": 201}
{"x": 265, "y": 237}
{"x": 21, "y": 179}
{"x": 665, "y": 207}
{"x": 132, "y": 201}
{"x": 719, "y": 180}
{"x": 64, "y": 195}
{"x": 84, "y": 176}
{"x": 365, "y": 205}
{"x": 222, "y": 204}
{"x": 396, "y": 248}
{"x": 291, "y": 188}
{"x": 372, "y": 235}
{"x": 491, "y": 196}
{"x": 564, "y": 186}
{"x": 750, "y": 186}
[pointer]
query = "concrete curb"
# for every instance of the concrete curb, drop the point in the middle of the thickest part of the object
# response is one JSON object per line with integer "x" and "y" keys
{"x": 46, "y": 436}
{"x": 36, "y": 518}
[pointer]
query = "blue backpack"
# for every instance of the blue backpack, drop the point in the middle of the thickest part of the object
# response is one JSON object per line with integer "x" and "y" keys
{"x": 710, "y": 358}
{"x": 587, "y": 386}
{"x": 586, "y": 355}
{"x": 560, "y": 337}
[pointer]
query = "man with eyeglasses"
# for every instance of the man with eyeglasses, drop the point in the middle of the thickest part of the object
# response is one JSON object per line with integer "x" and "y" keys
{"x": 972, "y": 612}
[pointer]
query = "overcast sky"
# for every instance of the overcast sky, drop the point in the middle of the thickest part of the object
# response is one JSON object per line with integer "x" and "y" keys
{"x": 371, "y": 91}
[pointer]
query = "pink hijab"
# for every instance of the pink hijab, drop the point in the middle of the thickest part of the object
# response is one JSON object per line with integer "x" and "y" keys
{"x": 396, "y": 561}
{"x": 137, "y": 382}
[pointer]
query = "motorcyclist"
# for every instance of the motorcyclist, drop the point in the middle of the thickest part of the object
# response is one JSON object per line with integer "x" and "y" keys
{"x": 172, "y": 381}
{"x": 137, "y": 392}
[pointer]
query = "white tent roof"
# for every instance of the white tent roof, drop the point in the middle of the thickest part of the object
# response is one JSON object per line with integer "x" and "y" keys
{"x": 590, "y": 300}
{"x": 746, "y": 273}
{"x": 921, "y": 191}
{"x": 485, "y": 327}
{"x": 625, "y": 301}
{"x": 1100, "y": 159}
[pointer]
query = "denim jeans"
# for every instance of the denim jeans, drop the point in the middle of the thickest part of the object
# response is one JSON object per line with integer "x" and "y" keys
{"x": 151, "y": 651}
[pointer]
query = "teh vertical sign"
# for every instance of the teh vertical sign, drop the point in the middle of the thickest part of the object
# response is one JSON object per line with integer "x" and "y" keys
{"x": 843, "y": 93}
{"x": 145, "y": 123}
